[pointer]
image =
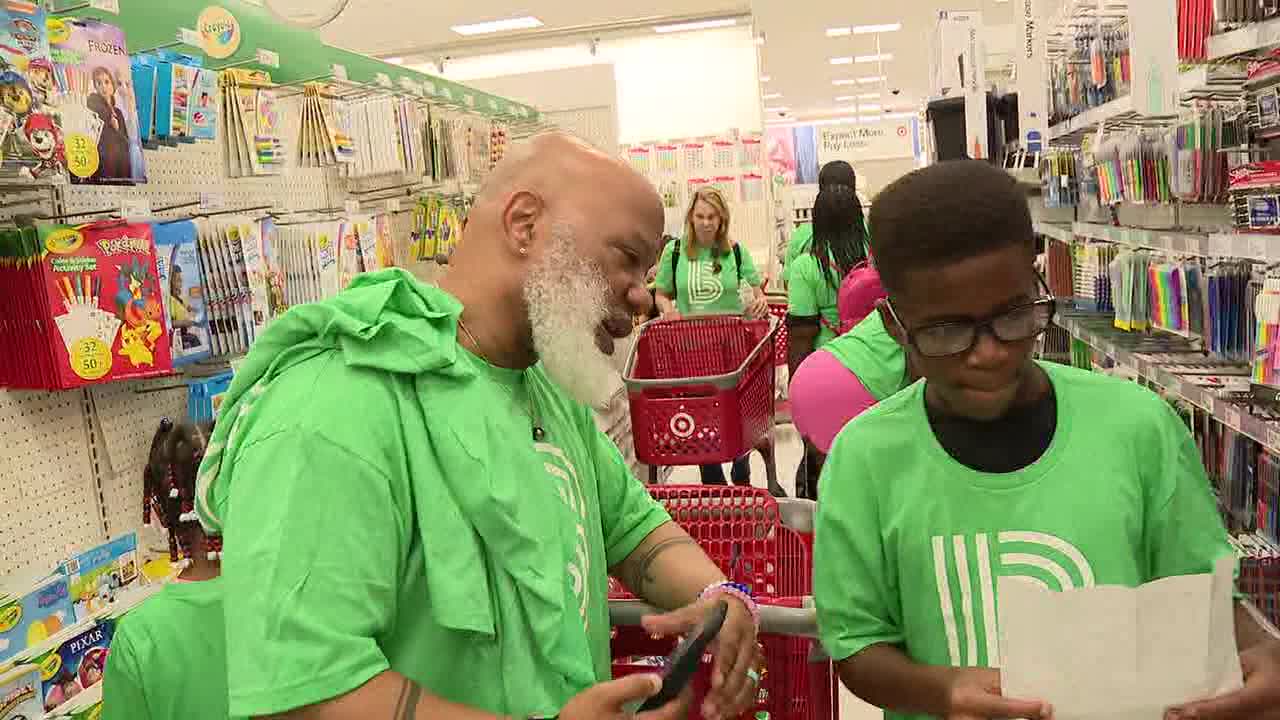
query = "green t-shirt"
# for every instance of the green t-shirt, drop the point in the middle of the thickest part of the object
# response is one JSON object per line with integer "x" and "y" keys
{"x": 385, "y": 506}
{"x": 698, "y": 287}
{"x": 810, "y": 294}
{"x": 169, "y": 657}
{"x": 799, "y": 244}
{"x": 909, "y": 542}
{"x": 871, "y": 353}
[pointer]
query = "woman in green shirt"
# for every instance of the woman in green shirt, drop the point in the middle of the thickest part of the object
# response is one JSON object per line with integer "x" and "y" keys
{"x": 706, "y": 272}
{"x": 168, "y": 658}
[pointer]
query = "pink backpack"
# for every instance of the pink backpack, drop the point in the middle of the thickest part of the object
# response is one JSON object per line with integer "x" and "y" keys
{"x": 857, "y": 297}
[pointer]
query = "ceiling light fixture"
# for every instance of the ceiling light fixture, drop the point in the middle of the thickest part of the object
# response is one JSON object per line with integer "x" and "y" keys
{"x": 870, "y": 80}
{"x": 869, "y": 96}
{"x": 846, "y": 60}
{"x": 395, "y": 60}
{"x": 874, "y": 58}
{"x": 844, "y": 98}
{"x": 887, "y": 27}
{"x": 527, "y": 22}
{"x": 839, "y": 32}
{"x": 697, "y": 25}
{"x": 771, "y": 96}
{"x": 779, "y": 109}
{"x": 764, "y": 78}
{"x": 868, "y": 107}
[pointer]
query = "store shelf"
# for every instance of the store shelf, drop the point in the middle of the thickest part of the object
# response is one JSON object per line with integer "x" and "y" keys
{"x": 1182, "y": 243}
{"x": 1061, "y": 232}
{"x": 1233, "y": 416}
{"x": 1247, "y": 39}
{"x": 1193, "y": 80}
{"x": 1252, "y": 246}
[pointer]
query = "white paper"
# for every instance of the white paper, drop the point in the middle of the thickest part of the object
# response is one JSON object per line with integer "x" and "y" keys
{"x": 1115, "y": 653}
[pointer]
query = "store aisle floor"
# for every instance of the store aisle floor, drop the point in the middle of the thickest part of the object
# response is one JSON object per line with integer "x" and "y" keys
{"x": 789, "y": 452}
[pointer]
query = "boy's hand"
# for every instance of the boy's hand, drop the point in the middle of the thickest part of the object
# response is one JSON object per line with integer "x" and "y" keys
{"x": 1259, "y": 699}
{"x": 975, "y": 695}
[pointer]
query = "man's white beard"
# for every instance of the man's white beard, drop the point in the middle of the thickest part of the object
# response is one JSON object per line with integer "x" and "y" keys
{"x": 568, "y": 299}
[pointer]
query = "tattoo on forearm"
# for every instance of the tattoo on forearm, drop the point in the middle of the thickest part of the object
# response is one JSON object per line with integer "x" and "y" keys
{"x": 641, "y": 576}
{"x": 407, "y": 705}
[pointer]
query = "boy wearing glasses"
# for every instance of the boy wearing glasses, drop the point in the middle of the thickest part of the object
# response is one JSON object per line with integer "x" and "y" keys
{"x": 995, "y": 465}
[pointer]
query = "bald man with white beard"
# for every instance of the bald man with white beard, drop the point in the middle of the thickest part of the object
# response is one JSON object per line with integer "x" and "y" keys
{"x": 419, "y": 514}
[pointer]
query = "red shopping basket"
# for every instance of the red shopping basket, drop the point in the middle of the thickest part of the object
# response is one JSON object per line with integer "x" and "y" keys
{"x": 701, "y": 388}
{"x": 778, "y": 309}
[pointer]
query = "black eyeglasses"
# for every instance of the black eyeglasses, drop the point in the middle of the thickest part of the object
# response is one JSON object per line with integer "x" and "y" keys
{"x": 945, "y": 339}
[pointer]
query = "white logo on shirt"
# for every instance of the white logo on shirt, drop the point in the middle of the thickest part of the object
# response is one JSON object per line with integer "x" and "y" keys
{"x": 704, "y": 285}
{"x": 1045, "y": 559}
{"x": 559, "y": 466}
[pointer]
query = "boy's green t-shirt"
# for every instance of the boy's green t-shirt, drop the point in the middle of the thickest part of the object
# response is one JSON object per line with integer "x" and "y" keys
{"x": 810, "y": 294}
{"x": 910, "y": 542}
{"x": 871, "y": 353}
{"x": 698, "y": 287}
{"x": 169, "y": 657}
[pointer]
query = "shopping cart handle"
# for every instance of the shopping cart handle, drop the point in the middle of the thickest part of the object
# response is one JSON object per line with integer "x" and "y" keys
{"x": 774, "y": 619}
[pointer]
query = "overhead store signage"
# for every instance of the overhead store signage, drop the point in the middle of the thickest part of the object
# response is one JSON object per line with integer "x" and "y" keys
{"x": 1032, "y": 77}
{"x": 219, "y": 31}
{"x": 872, "y": 141}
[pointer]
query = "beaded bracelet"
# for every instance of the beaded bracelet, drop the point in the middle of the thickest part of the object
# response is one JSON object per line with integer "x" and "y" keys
{"x": 734, "y": 590}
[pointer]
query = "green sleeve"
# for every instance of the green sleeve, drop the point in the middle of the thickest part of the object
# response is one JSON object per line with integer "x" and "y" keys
{"x": 855, "y": 578}
{"x": 799, "y": 242}
{"x": 1184, "y": 532}
{"x": 627, "y": 512}
{"x": 802, "y": 290}
{"x": 313, "y": 547}
{"x": 750, "y": 275}
{"x": 665, "y": 280}
{"x": 123, "y": 697}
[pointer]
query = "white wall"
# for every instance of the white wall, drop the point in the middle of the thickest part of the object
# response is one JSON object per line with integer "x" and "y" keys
{"x": 667, "y": 86}
{"x": 581, "y": 100}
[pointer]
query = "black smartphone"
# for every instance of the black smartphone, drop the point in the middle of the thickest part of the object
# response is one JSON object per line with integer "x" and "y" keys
{"x": 682, "y": 663}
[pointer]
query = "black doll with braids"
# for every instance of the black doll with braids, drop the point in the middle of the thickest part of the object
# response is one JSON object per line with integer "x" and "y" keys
{"x": 169, "y": 491}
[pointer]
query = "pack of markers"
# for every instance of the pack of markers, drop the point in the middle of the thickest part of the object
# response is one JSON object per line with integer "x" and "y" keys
{"x": 80, "y": 305}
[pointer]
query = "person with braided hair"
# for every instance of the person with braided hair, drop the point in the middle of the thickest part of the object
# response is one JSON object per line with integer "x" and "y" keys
{"x": 168, "y": 657}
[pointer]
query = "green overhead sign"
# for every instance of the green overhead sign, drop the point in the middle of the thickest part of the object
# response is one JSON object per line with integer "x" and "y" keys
{"x": 235, "y": 31}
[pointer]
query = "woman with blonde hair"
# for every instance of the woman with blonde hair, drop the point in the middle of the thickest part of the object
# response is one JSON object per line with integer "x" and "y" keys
{"x": 707, "y": 272}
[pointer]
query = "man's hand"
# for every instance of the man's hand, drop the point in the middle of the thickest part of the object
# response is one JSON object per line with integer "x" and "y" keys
{"x": 975, "y": 695}
{"x": 1259, "y": 699}
{"x": 616, "y": 700}
{"x": 759, "y": 306}
{"x": 733, "y": 690}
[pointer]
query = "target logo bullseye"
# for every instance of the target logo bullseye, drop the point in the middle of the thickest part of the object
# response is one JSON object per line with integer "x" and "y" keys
{"x": 682, "y": 425}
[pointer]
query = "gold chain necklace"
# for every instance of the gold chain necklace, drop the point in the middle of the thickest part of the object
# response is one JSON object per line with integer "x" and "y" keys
{"x": 539, "y": 434}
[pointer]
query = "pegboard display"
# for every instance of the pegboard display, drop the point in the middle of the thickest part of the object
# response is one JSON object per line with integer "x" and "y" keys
{"x": 596, "y": 125}
{"x": 48, "y": 498}
{"x": 124, "y": 419}
{"x": 182, "y": 174}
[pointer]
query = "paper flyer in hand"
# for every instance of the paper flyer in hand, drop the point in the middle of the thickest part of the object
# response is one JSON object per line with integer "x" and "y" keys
{"x": 1104, "y": 653}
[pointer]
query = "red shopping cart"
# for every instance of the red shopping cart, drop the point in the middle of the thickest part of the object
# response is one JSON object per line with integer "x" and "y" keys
{"x": 701, "y": 389}
{"x": 741, "y": 529}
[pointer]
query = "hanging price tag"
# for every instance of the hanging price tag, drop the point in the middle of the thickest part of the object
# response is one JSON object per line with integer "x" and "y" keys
{"x": 429, "y": 87}
{"x": 393, "y": 205}
{"x": 212, "y": 201}
{"x": 1231, "y": 416}
{"x": 1258, "y": 246}
{"x": 139, "y": 207}
{"x": 352, "y": 207}
{"x": 339, "y": 71}
{"x": 106, "y": 6}
{"x": 469, "y": 100}
{"x": 268, "y": 58}
{"x": 382, "y": 79}
{"x": 447, "y": 92}
{"x": 187, "y": 36}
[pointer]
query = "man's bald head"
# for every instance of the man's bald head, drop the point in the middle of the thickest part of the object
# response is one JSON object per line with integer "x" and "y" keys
{"x": 565, "y": 170}
{"x": 557, "y": 201}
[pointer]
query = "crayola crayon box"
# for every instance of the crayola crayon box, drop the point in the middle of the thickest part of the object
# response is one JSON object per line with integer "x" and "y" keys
{"x": 75, "y": 665}
{"x": 20, "y": 693}
{"x": 34, "y": 614}
{"x": 103, "y": 293}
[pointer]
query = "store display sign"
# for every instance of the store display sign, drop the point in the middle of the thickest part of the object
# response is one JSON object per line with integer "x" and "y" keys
{"x": 871, "y": 141}
{"x": 1033, "y": 82}
{"x": 219, "y": 31}
{"x": 1154, "y": 59}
